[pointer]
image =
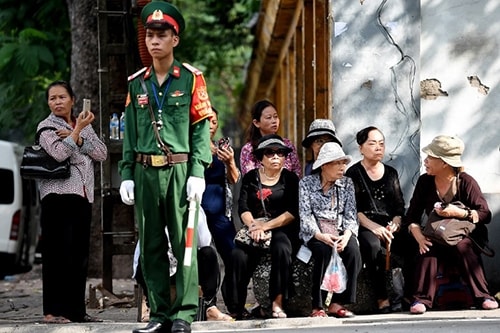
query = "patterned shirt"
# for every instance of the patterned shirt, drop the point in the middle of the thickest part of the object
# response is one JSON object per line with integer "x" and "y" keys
{"x": 81, "y": 181}
{"x": 249, "y": 162}
{"x": 315, "y": 205}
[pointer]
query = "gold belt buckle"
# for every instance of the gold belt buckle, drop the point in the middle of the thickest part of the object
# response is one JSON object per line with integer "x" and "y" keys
{"x": 157, "y": 160}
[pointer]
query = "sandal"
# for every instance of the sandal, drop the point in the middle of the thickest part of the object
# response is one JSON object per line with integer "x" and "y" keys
{"x": 214, "y": 314}
{"x": 340, "y": 311}
{"x": 384, "y": 306}
{"x": 279, "y": 313}
{"x": 489, "y": 304}
{"x": 319, "y": 313}
{"x": 50, "y": 319}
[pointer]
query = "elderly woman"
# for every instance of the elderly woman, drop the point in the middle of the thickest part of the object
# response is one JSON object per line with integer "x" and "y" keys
{"x": 445, "y": 182}
{"x": 380, "y": 205}
{"x": 320, "y": 132}
{"x": 327, "y": 209}
{"x": 269, "y": 192}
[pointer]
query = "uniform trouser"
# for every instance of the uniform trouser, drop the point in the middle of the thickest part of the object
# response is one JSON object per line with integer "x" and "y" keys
{"x": 351, "y": 257}
{"x": 65, "y": 224}
{"x": 208, "y": 274}
{"x": 160, "y": 203}
{"x": 465, "y": 256}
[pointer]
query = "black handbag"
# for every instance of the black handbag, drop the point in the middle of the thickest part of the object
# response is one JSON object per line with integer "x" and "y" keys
{"x": 38, "y": 164}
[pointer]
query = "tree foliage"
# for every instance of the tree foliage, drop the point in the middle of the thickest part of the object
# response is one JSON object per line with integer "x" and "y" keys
{"x": 33, "y": 51}
{"x": 36, "y": 43}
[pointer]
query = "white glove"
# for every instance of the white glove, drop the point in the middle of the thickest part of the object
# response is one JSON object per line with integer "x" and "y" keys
{"x": 127, "y": 192}
{"x": 195, "y": 188}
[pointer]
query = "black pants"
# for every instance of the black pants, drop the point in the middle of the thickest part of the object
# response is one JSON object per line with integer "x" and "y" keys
{"x": 351, "y": 257}
{"x": 65, "y": 224}
{"x": 243, "y": 264}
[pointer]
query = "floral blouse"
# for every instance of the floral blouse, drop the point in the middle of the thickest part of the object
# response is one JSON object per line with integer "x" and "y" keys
{"x": 315, "y": 205}
{"x": 249, "y": 162}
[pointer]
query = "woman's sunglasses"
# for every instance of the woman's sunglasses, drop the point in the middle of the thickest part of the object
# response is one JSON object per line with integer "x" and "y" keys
{"x": 270, "y": 153}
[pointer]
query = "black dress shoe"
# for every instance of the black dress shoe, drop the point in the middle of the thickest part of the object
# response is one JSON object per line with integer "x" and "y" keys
{"x": 181, "y": 326}
{"x": 153, "y": 327}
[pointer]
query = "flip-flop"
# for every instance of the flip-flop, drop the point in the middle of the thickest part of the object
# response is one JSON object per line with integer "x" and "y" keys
{"x": 342, "y": 313}
{"x": 56, "y": 320}
{"x": 279, "y": 313}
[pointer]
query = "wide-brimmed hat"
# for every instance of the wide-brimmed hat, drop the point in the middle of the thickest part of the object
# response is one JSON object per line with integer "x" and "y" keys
{"x": 271, "y": 141}
{"x": 447, "y": 148}
{"x": 320, "y": 127}
{"x": 329, "y": 152}
{"x": 159, "y": 14}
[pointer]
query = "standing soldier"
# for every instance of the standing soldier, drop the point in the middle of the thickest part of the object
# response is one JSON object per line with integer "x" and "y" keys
{"x": 166, "y": 148}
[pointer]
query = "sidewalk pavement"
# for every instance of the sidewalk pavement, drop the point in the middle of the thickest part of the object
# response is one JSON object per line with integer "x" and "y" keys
{"x": 21, "y": 312}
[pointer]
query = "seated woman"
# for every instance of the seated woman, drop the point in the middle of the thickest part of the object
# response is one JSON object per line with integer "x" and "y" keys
{"x": 271, "y": 192}
{"x": 380, "y": 205}
{"x": 445, "y": 182}
{"x": 327, "y": 209}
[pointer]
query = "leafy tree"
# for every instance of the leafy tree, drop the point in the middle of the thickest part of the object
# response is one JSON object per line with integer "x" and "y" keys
{"x": 33, "y": 51}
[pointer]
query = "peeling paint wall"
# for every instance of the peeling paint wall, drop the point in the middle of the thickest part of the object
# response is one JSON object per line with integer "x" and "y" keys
{"x": 417, "y": 69}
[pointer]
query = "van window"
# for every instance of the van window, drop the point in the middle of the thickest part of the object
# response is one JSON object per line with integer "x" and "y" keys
{"x": 7, "y": 181}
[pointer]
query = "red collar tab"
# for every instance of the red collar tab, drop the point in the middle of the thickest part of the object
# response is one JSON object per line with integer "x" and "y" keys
{"x": 176, "y": 72}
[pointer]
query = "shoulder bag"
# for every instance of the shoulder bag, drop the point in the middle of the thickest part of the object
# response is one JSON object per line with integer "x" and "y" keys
{"x": 243, "y": 238}
{"x": 38, "y": 164}
{"x": 450, "y": 231}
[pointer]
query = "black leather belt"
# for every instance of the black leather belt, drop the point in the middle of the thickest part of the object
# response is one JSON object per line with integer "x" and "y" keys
{"x": 161, "y": 160}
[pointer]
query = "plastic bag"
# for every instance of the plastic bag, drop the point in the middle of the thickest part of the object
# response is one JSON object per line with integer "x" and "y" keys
{"x": 335, "y": 278}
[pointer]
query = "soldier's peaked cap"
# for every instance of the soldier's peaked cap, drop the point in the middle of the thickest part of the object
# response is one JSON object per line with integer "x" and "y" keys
{"x": 159, "y": 14}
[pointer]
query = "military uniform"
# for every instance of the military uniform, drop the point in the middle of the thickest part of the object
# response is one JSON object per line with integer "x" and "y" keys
{"x": 181, "y": 108}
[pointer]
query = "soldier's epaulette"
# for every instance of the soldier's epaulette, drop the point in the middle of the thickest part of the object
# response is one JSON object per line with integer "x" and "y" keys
{"x": 192, "y": 69}
{"x": 136, "y": 74}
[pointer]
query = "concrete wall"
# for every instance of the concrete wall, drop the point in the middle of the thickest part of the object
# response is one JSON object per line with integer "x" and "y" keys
{"x": 386, "y": 54}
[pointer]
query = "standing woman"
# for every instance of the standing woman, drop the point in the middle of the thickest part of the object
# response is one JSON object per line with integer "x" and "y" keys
{"x": 67, "y": 207}
{"x": 217, "y": 200}
{"x": 445, "y": 182}
{"x": 380, "y": 205}
{"x": 270, "y": 189}
{"x": 327, "y": 208}
{"x": 265, "y": 121}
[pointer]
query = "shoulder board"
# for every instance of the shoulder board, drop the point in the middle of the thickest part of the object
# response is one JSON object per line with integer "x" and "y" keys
{"x": 192, "y": 69}
{"x": 136, "y": 74}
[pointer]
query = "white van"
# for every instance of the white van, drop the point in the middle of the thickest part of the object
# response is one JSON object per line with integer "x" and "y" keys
{"x": 19, "y": 213}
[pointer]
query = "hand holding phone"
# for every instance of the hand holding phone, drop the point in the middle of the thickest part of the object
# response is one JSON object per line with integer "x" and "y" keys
{"x": 224, "y": 143}
{"x": 86, "y": 107}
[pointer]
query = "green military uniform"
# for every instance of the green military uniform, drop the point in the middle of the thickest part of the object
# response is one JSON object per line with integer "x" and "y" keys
{"x": 182, "y": 108}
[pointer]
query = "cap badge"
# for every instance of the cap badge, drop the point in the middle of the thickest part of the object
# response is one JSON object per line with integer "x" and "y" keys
{"x": 157, "y": 15}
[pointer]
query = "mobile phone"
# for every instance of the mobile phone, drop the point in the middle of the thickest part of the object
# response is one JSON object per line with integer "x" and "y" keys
{"x": 224, "y": 143}
{"x": 86, "y": 107}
